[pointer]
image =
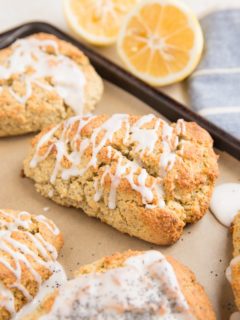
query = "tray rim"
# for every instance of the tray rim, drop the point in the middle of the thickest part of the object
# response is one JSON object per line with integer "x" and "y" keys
{"x": 111, "y": 72}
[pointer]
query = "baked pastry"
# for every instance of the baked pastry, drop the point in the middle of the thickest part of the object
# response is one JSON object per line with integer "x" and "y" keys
{"x": 233, "y": 271}
{"x": 131, "y": 285}
{"x": 29, "y": 247}
{"x": 44, "y": 80}
{"x": 138, "y": 174}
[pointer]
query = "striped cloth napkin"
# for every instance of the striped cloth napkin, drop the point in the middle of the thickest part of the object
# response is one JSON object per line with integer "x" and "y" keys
{"x": 214, "y": 87}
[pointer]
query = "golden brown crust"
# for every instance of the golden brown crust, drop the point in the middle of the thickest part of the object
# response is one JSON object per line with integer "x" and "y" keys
{"x": 43, "y": 107}
{"x": 24, "y": 234}
{"x": 187, "y": 186}
{"x": 235, "y": 267}
{"x": 193, "y": 292}
{"x": 236, "y": 235}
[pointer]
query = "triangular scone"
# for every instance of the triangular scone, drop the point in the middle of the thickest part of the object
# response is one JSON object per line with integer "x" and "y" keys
{"x": 29, "y": 247}
{"x": 130, "y": 285}
{"x": 139, "y": 174}
{"x": 44, "y": 80}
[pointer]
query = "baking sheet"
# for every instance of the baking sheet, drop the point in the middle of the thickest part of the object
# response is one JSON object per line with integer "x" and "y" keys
{"x": 204, "y": 247}
{"x": 171, "y": 108}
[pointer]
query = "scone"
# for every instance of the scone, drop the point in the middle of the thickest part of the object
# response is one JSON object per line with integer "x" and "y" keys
{"x": 29, "y": 247}
{"x": 131, "y": 285}
{"x": 44, "y": 80}
{"x": 233, "y": 272}
{"x": 138, "y": 174}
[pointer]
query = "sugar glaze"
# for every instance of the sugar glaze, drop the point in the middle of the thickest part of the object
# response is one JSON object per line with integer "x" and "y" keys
{"x": 145, "y": 287}
{"x": 234, "y": 261}
{"x": 225, "y": 202}
{"x": 141, "y": 137}
{"x": 66, "y": 77}
{"x": 57, "y": 279}
{"x": 43, "y": 253}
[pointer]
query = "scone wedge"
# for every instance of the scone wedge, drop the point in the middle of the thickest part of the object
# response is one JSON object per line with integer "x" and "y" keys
{"x": 138, "y": 174}
{"x": 129, "y": 285}
{"x": 29, "y": 247}
{"x": 44, "y": 80}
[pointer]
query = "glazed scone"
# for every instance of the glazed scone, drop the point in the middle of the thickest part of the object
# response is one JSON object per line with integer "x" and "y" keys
{"x": 44, "y": 80}
{"x": 233, "y": 271}
{"x": 138, "y": 174}
{"x": 29, "y": 247}
{"x": 131, "y": 285}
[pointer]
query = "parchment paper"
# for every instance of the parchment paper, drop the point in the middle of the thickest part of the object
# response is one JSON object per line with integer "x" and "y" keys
{"x": 204, "y": 247}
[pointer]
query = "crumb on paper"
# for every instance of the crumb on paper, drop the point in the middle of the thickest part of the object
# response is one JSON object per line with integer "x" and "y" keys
{"x": 22, "y": 174}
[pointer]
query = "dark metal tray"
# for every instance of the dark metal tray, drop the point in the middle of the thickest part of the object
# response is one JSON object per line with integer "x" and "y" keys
{"x": 165, "y": 105}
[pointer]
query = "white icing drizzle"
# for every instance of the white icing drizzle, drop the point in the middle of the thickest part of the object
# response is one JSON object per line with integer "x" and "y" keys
{"x": 57, "y": 279}
{"x": 19, "y": 253}
{"x": 22, "y": 220}
{"x": 234, "y": 261}
{"x": 145, "y": 287}
{"x": 67, "y": 79}
{"x": 143, "y": 138}
{"x": 180, "y": 127}
{"x": 128, "y": 170}
{"x": 51, "y": 226}
{"x": 168, "y": 157}
{"x": 109, "y": 152}
{"x": 61, "y": 146}
{"x": 146, "y": 139}
{"x": 6, "y": 299}
{"x": 225, "y": 202}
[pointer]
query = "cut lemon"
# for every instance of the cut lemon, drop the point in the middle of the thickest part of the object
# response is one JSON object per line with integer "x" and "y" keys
{"x": 160, "y": 41}
{"x": 97, "y": 21}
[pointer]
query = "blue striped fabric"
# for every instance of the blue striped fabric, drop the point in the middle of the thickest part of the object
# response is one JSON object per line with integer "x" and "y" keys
{"x": 214, "y": 87}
